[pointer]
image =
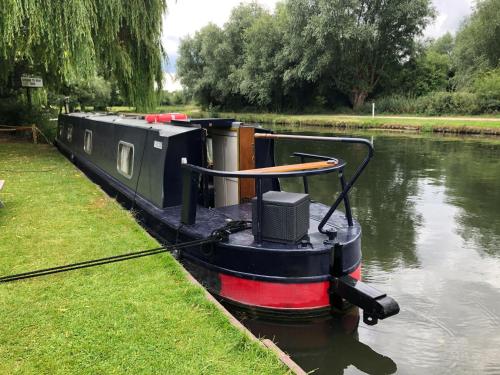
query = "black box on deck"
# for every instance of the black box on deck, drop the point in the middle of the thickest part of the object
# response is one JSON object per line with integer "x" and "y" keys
{"x": 285, "y": 216}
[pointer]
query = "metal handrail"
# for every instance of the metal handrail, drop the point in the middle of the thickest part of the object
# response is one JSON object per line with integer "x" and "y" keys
{"x": 346, "y": 187}
{"x": 244, "y": 174}
{"x": 192, "y": 171}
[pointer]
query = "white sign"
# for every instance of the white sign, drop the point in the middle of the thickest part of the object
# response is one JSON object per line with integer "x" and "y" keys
{"x": 31, "y": 81}
{"x": 158, "y": 145}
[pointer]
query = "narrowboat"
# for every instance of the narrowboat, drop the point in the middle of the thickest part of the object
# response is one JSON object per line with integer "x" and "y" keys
{"x": 277, "y": 253}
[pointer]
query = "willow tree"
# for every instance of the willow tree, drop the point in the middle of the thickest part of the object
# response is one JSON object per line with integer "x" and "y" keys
{"x": 68, "y": 40}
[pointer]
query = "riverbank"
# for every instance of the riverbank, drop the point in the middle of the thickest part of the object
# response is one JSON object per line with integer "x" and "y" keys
{"x": 141, "y": 316}
{"x": 455, "y": 125}
{"x": 483, "y": 126}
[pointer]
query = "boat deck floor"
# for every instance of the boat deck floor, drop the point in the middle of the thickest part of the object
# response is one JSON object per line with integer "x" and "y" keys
{"x": 209, "y": 220}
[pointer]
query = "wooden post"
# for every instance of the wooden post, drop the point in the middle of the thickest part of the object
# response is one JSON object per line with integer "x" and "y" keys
{"x": 246, "y": 160}
{"x": 35, "y": 135}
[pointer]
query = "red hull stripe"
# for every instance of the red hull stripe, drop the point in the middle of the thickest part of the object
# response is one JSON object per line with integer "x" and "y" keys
{"x": 356, "y": 274}
{"x": 277, "y": 295}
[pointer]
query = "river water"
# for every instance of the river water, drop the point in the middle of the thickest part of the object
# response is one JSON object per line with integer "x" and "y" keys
{"x": 429, "y": 207}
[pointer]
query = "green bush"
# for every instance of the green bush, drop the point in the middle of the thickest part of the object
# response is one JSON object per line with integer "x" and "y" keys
{"x": 173, "y": 98}
{"x": 392, "y": 104}
{"x": 165, "y": 98}
{"x": 95, "y": 92}
{"x": 487, "y": 88}
{"x": 448, "y": 103}
{"x": 213, "y": 111}
{"x": 317, "y": 105}
{"x": 484, "y": 99}
{"x": 11, "y": 111}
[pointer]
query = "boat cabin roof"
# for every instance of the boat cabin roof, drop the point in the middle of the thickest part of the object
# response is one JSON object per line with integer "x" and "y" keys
{"x": 164, "y": 129}
{"x": 175, "y": 127}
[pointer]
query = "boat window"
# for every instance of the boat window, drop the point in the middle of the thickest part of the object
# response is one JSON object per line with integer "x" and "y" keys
{"x": 87, "y": 141}
{"x": 69, "y": 133}
{"x": 125, "y": 159}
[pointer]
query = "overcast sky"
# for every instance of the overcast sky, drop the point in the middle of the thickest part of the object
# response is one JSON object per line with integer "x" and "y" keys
{"x": 185, "y": 17}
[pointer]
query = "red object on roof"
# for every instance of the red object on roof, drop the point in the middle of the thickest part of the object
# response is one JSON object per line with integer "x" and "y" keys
{"x": 165, "y": 117}
{"x": 150, "y": 118}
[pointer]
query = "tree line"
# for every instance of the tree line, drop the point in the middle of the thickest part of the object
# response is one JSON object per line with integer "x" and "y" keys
{"x": 333, "y": 54}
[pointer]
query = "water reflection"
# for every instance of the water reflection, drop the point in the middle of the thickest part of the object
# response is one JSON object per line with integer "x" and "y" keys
{"x": 381, "y": 198}
{"x": 384, "y": 198}
{"x": 472, "y": 183}
{"x": 430, "y": 212}
{"x": 328, "y": 345}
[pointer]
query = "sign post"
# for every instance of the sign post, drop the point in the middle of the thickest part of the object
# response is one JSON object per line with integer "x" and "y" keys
{"x": 30, "y": 82}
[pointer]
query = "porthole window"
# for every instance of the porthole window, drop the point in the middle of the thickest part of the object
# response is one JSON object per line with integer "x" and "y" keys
{"x": 69, "y": 133}
{"x": 87, "y": 141}
{"x": 125, "y": 159}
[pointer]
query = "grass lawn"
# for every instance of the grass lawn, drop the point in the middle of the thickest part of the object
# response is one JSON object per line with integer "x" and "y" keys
{"x": 455, "y": 124}
{"x": 137, "y": 317}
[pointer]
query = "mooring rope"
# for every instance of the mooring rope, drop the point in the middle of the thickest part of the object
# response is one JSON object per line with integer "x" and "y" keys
{"x": 216, "y": 236}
